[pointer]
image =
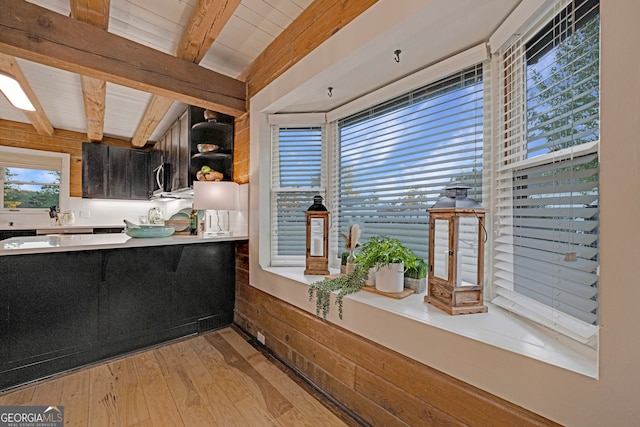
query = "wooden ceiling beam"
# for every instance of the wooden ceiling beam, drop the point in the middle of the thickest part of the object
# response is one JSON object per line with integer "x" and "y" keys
{"x": 34, "y": 33}
{"x": 94, "y": 91}
{"x": 38, "y": 118}
{"x": 207, "y": 20}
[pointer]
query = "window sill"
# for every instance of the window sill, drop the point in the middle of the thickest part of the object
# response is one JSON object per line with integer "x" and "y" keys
{"x": 498, "y": 327}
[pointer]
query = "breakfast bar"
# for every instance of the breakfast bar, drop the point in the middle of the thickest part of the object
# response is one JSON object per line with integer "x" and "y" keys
{"x": 71, "y": 300}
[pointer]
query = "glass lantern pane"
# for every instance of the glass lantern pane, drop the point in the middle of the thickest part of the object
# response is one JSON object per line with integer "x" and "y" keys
{"x": 468, "y": 239}
{"x": 317, "y": 237}
{"x": 441, "y": 249}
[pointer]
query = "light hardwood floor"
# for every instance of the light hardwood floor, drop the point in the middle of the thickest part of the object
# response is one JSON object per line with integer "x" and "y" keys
{"x": 212, "y": 379}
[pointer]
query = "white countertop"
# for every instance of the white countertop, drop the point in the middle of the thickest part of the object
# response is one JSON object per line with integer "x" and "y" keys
{"x": 84, "y": 242}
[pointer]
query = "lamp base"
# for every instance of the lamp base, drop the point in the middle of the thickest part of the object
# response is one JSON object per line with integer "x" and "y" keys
{"x": 217, "y": 234}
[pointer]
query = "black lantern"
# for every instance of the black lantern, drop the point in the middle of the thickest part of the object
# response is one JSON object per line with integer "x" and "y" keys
{"x": 456, "y": 253}
{"x": 317, "y": 256}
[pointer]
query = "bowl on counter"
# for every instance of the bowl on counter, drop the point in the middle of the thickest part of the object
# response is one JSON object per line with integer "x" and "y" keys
{"x": 147, "y": 231}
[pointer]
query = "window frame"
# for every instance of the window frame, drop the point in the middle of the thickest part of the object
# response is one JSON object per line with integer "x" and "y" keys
{"x": 293, "y": 121}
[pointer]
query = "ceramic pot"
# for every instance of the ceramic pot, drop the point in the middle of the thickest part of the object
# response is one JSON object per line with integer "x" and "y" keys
{"x": 390, "y": 278}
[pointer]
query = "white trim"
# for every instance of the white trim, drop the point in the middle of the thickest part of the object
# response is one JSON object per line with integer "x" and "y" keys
{"x": 524, "y": 14}
{"x": 301, "y": 119}
{"x": 442, "y": 69}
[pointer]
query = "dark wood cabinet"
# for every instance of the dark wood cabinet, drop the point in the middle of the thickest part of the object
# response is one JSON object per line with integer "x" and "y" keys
{"x": 94, "y": 170}
{"x": 63, "y": 310}
{"x": 218, "y": 132}
{"x": 179, "y": 147}
{"x": 119, "y": 173}
{"x": 110, "y": 172}
{"x": 139, "y": 174}
{"x": 51, "y": 313}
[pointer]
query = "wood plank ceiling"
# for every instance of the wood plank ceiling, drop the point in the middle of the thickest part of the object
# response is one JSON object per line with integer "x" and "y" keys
{"x": 189, "y": 30}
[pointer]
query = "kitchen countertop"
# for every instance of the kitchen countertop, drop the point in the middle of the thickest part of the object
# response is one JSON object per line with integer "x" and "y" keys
{"x": 84, "y": 242}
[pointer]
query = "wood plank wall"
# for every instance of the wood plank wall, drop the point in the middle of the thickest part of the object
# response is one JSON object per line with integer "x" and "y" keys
{"x": 379, "y": 385}
{"x": 22, "y": 135}
{"x": 241, "y": 149}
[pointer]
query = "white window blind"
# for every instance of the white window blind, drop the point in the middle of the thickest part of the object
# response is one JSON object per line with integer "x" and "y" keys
{"x": 297, "y": 175}
{"x": 396, "y": 158}
{"x": 546, "y": 249}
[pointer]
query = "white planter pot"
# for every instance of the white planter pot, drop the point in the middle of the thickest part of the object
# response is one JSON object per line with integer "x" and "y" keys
{"x": 390, "y": 278}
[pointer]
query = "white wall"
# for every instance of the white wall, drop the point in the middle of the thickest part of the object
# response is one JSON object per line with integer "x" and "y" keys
{"x": 563, "y": 396}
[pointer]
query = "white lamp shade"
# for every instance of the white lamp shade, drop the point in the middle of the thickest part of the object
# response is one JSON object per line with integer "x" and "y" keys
{"x": 215, "y": 195}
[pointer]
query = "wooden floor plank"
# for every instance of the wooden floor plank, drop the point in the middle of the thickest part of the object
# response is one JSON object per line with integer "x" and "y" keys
{"x": 75, "y": 398}
{"x": 275, "y": 402}
{"x": 225, "y": 376}
{"x": 192, "y": 409}
{"x": 131, "y": 403}
{"x": 103, "y": 401}
{"x": 304, "y": 403}
{"x": 48, "y": 393}
{"x": 219, "y": 404}
{"x": 160, "y": 404}
{"x": 255, "y": 413}
{"x": 18, "y": 397}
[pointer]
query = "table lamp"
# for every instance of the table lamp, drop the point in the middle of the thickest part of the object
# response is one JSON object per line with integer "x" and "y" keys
{"x": 213, "y": 197}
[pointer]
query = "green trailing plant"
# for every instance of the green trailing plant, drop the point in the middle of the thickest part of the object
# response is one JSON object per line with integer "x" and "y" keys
{"x": 383, "y": 250}
{"x": 345, "y": 284}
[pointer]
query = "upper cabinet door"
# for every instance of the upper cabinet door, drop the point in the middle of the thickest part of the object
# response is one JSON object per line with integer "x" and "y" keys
{"x": 140, "y": 175}
{"x": 119, "y": 186}
{"x": 94, "y": 170}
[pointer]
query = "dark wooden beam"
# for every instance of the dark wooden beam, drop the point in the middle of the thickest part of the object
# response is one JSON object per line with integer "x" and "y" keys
{"x": 40, "y": 35}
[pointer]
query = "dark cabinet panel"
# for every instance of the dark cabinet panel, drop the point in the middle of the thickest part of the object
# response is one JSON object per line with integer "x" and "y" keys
{"x": 206, "y": 282}
{"x": 110, "y": 172}
{"x": 51, "y": 312}
{"x": 139, "y": 175}
{"x": 94, "y": 170}
{"x": 118, "y": 184}
{"x": 139, "y": 291}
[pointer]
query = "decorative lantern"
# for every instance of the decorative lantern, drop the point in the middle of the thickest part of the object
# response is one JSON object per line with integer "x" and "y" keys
{"x": 317, "y": 259}
{"x": 456, "y": 253}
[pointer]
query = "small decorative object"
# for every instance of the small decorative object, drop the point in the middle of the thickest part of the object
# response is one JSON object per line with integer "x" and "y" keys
{"x": 155, "y": 216}
{"x": 351, "y": 244}
{"x": 207, "y": 174}
{"x": 456, "y": 253}
{"x": 317, "y": 251}
{"x": 207, "y": 148}
{"x": 381, "y": 253}
{"x": 193, "y": 222}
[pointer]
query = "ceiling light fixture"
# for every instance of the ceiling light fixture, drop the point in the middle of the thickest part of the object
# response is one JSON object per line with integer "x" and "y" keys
{"x": 14, "y": 93}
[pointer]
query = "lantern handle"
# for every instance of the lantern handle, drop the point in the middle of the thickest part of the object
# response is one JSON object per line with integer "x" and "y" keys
{"x": 486, "y": 235}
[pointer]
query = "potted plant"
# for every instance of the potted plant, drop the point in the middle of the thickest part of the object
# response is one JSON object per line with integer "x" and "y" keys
{"x": 378, "y": 252}
{"x": 416, "y": 278}
{"x": 390, "y": 259}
